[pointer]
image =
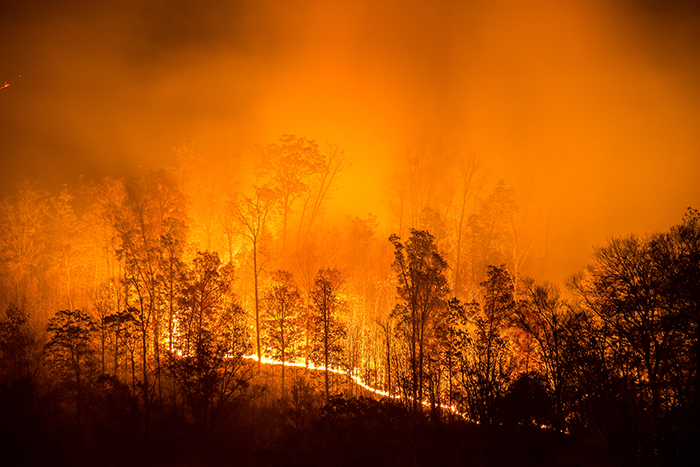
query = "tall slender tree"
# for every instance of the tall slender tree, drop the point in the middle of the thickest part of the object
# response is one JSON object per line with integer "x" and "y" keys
{"x": 283, "y": 307}
{"x": 254, "y": 213}
{"x": 422, "y": 288}
{"x": 330, "y": 331}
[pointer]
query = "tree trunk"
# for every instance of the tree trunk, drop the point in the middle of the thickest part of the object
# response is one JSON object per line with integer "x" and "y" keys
{"x": 257, "y": 303}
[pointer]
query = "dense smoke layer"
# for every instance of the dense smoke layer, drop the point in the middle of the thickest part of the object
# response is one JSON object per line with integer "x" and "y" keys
{"x": 588, "y": 109}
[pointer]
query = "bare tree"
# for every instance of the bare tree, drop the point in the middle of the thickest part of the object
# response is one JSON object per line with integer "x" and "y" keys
{"x": 468, "y": 182}
{"x": 332, "y": 164}
{"x": 420, "y": 180}
{"x": 288, "y": 167}
{"x": 254, "y": 213}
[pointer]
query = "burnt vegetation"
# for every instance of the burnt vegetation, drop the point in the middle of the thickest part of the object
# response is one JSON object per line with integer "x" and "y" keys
{"x": 145, "y": 321}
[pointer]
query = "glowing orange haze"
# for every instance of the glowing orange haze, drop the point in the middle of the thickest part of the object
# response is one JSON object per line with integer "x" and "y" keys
{"x": 591, "y": 112}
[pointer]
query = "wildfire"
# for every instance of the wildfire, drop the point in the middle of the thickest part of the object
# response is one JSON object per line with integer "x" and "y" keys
{"x": 359, "y": 381}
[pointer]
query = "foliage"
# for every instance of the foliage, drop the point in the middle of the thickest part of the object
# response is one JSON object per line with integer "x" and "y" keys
{"x": 211, "y": 340}
{"x": 16, "y": 346}
{"x": 71, "y": 352}
{"x": 283, "y": 307}
{"x": 151, "y": 348}
{"x": 330, "y": 332}
{"x": 484, "y": 347}
{"x": 422, "y": 288}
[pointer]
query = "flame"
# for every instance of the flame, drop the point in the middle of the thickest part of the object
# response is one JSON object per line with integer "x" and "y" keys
{"x": 359, "y": 381}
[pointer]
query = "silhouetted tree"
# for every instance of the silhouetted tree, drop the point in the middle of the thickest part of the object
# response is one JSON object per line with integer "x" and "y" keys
{"x": 70, "y": 351}
{"x": 211, "y": 340}
{"x": 122, "y": 334}
{"x": 682, "y": 263}
{"x": 486, "y": 355}
{"x": 422, "y": 288}
{"x": 282, "y": 305}
{"x": 642, "y": 294}
{"x": 626, "y": 293}
{"x": 544, "y": 317}
{"x": 330, "y": 333}
{"x": 16, "y": 345}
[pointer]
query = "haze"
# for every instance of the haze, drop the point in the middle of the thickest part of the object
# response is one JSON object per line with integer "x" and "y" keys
{"x": 589, "y": 110}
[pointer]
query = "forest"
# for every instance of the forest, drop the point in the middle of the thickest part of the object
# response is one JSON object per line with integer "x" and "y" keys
{"x": 187, "y": 317}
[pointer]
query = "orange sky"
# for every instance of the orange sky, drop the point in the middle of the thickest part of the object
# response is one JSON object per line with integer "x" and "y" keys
{"x": 590, "y": 109}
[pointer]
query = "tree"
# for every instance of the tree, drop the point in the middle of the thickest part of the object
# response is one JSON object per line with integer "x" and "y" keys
{"x": 420, "y": 181}
{"x": 70, "y": 350}
{"x": 332, "y": 164}
{"x": 16, "y": 345}
{"x": 122, "y": 331}
{"x": 544, "y": 317}
{"x": 150, "y": 227}
{"x": 282, "y": 305}
{"x": 682, "y": 263}
{"x": 287, "y": 167}
{"x": 208, "y": 358}
{"x": 422, "y": 289}
{"x": 64, "y": 248}
{"x": 204, "y": 184}
{"x": 23, "y": 243}
{"x": 625, "y": 291}
{"x": 489, "y": 228}
{"x": 467, "y": 185}
{"x": 329, "y": 331}
{"x": 387, "y": 327}
{"x": 637, "y": 290}
{"x": 486, "y": 356}
{"x": 253, "y": 213}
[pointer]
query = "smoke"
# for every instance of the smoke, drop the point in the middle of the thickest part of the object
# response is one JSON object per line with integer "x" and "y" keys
{"x": 588, "y": 109}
